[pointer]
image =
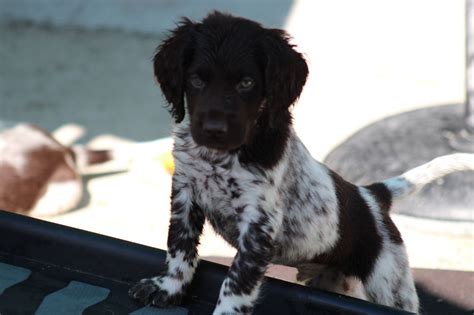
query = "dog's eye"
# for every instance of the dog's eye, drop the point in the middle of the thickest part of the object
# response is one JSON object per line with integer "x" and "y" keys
{"x": 196, "y": 81}
{"x": 245, "y": 84}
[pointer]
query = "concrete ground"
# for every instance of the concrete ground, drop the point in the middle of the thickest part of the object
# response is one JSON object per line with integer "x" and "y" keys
{"x": 89, "y": 63}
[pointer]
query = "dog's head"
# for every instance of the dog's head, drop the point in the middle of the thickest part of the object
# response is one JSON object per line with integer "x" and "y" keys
{"x": 234, "y": 75}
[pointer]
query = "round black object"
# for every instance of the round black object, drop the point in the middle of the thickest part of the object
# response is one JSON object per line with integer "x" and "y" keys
{"x": 396, "y": 144}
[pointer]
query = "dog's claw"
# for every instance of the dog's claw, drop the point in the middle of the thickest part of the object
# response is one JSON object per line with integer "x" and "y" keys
{"x": 143, "y": 290}
{"x": 161, "y": 299}
{"x": 147, "y": 291}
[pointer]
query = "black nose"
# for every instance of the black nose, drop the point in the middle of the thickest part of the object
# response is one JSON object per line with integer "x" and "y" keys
{"x": 214, "y": 127}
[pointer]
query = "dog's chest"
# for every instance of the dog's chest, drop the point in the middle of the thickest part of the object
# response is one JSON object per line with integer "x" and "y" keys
{"x": 223, "y": 190}
{"x": 214, "y": 189}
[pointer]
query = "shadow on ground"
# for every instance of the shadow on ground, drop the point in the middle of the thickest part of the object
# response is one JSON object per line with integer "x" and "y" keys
{"x": 86, "y": 196}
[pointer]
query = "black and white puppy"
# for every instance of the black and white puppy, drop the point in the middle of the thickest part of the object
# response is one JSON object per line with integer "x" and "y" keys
{"x": 240, "y": 165}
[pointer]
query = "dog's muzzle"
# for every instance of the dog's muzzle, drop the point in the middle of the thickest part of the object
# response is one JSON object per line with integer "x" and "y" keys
{"x": 222, "y": 133}
{"x": 215, "y": 128}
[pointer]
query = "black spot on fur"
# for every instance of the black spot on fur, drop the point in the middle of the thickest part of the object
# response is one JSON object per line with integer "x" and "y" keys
{"x": 178, "y": 274}
{"x": 243, "y": 309}
{"x": 383, "y": 196}
{"x": 206, "y": 183}
{"x": 399, "y": 301}
{"x": 294, "y": 191}
{"x": 239, "y": 209}
{"x": 323, "y": 210}
{"x": 359, "y": 243}
{"x": 235, "y": 194}
{"x": 291, "y": 229}
{"x": 231, "y": 182}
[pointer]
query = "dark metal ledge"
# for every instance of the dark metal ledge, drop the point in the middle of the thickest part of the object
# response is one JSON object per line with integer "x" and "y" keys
{"x": 60, "y": 252}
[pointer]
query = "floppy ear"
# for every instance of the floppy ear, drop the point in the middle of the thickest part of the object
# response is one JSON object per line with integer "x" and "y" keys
{"x": 170, "y": 63}
{"x": 285, "y": 75}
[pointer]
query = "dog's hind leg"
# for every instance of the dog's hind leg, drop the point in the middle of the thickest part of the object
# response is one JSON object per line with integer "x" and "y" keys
{"x": 391, "y": 282}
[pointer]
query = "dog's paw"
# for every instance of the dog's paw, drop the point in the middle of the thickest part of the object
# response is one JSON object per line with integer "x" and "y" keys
{"x": 153, "y": 291}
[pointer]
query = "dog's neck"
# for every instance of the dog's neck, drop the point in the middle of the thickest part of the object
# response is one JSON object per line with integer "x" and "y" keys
{"x": 265, "y": 149}
{"x": 268, "y": 142}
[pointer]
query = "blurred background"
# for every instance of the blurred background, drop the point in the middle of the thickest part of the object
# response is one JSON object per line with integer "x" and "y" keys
{"x": 89, "y": 63}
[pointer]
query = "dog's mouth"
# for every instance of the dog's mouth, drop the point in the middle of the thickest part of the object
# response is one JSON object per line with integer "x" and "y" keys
{"x": 224, "y": 143}
{"x": 217, "y": 143}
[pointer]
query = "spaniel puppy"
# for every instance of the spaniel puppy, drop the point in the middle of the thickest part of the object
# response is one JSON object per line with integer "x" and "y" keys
{"x": 240, "y": 165}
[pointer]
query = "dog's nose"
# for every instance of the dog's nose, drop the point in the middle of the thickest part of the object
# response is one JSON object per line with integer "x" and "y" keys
{"x": 214, "y": 127}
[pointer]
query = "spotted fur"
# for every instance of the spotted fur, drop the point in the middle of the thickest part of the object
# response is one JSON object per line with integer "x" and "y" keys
{"x": 297, "y": 213}
{"x": 262, "y": 191}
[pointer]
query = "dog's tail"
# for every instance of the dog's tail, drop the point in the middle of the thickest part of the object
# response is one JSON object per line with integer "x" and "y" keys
{"x": 414, "y": 179}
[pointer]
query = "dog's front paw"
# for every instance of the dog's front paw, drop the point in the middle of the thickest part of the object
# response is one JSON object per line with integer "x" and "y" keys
{"x": 154, "y": 291}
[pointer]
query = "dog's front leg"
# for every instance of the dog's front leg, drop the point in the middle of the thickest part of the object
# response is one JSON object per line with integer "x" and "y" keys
{"x": 239, "y": 290}
{"x": 186, "y": 224}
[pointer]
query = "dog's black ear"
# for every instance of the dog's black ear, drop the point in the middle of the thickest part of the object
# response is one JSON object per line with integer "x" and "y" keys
{"x": 170, "y": 63}
{"x": 285, "y": 74}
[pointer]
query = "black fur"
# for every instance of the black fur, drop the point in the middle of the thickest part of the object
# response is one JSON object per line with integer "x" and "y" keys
{"x": 384, "y": 198}
{"x": 359, "y": 243}
{"x": 170, "y": 62}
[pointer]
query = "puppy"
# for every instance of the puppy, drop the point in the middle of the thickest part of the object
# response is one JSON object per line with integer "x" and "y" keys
{"x": 240, "y": 165}
{"x": 39, "y": 175}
